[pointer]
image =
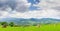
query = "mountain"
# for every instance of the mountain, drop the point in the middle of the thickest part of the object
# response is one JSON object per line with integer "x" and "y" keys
{"x": 29, "y": 21}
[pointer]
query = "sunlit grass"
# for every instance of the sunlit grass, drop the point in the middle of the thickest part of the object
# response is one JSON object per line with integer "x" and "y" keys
{"x": 49, "y": 27}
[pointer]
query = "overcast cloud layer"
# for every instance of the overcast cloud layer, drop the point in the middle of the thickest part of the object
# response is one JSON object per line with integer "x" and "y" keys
{"x": 20, "y": 9}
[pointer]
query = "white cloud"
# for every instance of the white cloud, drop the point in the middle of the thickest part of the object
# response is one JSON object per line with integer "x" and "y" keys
{"x": 3, "y": 14}
{"x": 50, "y": 13}
{"x": 49, "y": 4}
{"x": 23, "y": 5}
{"x": 18, "y": 5}
{"x": 37, "y": 14}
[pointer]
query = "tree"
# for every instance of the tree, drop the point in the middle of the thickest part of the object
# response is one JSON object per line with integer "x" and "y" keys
{"x": 11, "y": 24}
{"x": 4, "y": 24}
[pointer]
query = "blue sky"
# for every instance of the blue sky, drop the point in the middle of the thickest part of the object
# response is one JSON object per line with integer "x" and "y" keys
{"x": 33, "y": 2}
{"x": 30, "y": 8}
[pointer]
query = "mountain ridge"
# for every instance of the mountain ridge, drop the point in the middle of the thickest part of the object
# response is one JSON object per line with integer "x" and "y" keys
{"x": 31, "y": 20}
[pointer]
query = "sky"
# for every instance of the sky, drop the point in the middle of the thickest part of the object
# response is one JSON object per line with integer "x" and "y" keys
{"x": 30, "y": 9}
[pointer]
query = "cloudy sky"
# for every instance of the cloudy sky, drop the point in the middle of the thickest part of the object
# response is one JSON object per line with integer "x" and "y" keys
{"x": 30, "y": 9}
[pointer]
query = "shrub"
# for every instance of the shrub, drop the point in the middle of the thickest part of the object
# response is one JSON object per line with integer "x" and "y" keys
{"x": 11, "y": 24}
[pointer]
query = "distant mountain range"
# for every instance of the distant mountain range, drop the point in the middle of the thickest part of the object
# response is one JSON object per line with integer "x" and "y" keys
{"x": 29, "y": 21}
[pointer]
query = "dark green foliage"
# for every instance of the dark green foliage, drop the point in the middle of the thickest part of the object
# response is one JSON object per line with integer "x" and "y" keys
{"x": 11, "y": 24}
{"x": 4, "y": 24}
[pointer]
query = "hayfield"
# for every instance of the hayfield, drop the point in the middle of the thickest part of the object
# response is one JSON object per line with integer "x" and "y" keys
{"x": 49, "y": 27}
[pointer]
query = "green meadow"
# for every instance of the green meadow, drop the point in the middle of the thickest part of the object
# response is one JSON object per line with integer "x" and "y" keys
{"x": 46, "y": 27}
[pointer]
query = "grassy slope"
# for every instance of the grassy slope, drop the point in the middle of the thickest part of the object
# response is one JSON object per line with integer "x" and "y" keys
{"x": 50, "y": 27}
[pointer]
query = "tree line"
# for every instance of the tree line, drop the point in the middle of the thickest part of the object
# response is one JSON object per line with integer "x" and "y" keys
{"x": 5, "y": 24}
{"x": 12, "y": 24}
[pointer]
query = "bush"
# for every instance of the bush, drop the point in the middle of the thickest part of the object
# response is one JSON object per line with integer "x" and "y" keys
{"x": 11, "y": 24}
{"x": 4, "y": 24}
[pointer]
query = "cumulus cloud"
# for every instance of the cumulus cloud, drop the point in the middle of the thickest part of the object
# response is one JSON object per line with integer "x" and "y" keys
{"x": 13, "y": 8}
{"x": 51, "y": 4}
{"x": 19, "y": 6}
{"x": 50, "y": 13}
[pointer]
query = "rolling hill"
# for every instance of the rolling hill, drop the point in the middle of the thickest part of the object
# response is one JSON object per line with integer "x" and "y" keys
{"x": 29, "y": 21}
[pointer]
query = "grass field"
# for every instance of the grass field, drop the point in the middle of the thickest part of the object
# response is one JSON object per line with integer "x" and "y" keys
{"x": 49, "y": 27}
